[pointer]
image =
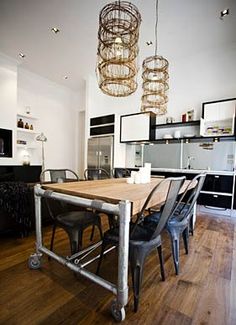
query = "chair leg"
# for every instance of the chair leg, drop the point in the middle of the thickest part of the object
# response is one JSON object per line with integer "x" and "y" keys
{"x": 185, "y": 235}
{"x": 93, "y": 229}
{"x": 101, "y": 256}
{"x": 100, "y": 229}
{"x": 52, "y": 238}
{"x": 175, "y": 253}
{"x": 191, "y": 225}
{"x": 92, "y": 233}
{"x": 75, "y": 237}
{"x": 159, "y": 249}
{"x": 111, "y": 221}
{"x": 136, "y": 271}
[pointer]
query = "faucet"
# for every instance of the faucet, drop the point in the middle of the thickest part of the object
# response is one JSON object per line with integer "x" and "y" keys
{"x": 189, "y": 162}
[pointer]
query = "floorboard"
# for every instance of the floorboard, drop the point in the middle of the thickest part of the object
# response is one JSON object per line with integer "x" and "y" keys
{"x": 203, "y": 293}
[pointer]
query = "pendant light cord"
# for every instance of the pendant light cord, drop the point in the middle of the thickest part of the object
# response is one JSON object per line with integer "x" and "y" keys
{"x": 156, "y": 27}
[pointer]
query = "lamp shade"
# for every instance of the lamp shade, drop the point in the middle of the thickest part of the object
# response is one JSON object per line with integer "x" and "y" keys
{"x": 155, "y": 81}
{"x": 118, "y": 49}
{"x": 41, "y": 137}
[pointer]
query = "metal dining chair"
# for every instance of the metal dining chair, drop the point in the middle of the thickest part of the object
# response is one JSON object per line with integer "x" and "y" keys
{"x": 121, "y": 172}
{"x": 73, "y": 221}
{"x": 144, "y": 239}
{"x": 181, "y": 221}
{"x": 95, "y": 174}
{"x": 58, "y": 175}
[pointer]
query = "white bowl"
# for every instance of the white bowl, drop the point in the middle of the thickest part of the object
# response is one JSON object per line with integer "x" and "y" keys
{"x": 167, "y": 136}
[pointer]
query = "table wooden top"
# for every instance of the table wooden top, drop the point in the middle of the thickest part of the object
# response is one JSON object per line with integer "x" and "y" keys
{"x": 114, "y": 190}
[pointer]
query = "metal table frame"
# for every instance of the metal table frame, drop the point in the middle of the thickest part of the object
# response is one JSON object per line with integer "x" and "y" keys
{"x": 123, "y": 211}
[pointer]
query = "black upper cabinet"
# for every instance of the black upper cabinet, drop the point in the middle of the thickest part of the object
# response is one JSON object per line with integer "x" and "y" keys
{"x": 102, "y": 125}
{"x": 100, "y": 120}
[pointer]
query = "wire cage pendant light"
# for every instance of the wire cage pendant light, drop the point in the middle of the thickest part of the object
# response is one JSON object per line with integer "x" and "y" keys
{"x": 155, "y": 81}
{"x": 118, "y": 49}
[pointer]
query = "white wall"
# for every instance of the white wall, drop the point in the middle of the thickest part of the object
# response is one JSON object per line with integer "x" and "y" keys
{"x": 99, "y": 104}
{"x": 207, "y": 75}
{"x": 8, "y": 99}
{"x": 56, "y": 109}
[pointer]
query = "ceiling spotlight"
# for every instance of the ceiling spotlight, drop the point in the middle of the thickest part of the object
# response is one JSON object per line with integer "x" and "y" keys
{"x": 224, "y": 13}
{"x": 22, "y": 55}
{"x": 148, "y": 43}
{"x": 55, "y": 30}
{"x": 65, "y": 77}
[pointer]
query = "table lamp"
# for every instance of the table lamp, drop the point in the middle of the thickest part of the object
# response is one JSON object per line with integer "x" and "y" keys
{"x": 42, "y": 138}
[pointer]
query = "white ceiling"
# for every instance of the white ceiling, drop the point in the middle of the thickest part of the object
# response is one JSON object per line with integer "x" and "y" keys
{"x": 185, "y": 27}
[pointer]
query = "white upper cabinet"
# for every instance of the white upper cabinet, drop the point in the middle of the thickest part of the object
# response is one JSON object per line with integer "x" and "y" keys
{"x": 218, "y": 118}
{"x": 137, "y": 127}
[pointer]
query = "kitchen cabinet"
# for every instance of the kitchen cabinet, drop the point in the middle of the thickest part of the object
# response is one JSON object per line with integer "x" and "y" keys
{"x": 217, "y": 124}
{"x": 218, "y": 118}
{"x": 218, "y": 183}
{"x": 102, "y": 125}
{"x": 137, "y": 127}
{"x": 218, "y": 189}
{"x": 215, "y": 200}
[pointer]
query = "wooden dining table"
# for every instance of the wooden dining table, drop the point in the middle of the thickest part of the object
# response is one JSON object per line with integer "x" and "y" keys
{"x": 114, "y": 196}
{"x": 113, "y": 191}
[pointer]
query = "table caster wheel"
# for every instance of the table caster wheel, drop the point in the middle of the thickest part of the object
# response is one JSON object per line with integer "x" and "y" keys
{"x": 34, "y": 262}
{"x": 117, "y": 313}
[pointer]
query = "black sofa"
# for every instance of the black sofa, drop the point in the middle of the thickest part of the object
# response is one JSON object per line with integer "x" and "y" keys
{"x": 17, "y": 199}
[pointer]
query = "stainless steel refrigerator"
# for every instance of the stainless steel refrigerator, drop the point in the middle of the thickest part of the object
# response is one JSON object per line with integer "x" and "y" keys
{"x": 100, "y": 153}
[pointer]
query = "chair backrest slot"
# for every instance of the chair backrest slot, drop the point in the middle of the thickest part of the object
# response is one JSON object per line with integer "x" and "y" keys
{"x": 121, "y": 172}
{"x": 190, "y": 196}
{"x": 58, "y": 175}
{"x": 175, "y": 185}
{"x": 171, "y": 186}
{"x": 91, "y": 174}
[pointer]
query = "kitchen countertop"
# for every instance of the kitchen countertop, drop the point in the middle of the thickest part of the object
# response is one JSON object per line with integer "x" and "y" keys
{"x": 194, "y": 171}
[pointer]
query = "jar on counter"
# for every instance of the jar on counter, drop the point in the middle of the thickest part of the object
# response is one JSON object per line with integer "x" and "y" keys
{"x": 27, "y": 126}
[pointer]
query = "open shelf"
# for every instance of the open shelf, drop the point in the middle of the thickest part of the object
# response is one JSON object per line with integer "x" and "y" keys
{"x": 26, "y": 131}
{"x": 25, "y": 146}
{"x": 27, "y": 116}
{"x": 177, "y": 124}
{"x": 220, "y": 128}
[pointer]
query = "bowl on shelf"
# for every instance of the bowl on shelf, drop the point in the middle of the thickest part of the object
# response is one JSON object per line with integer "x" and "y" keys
{"x": 167, "y": 136}
{"x": 190, "y": 135}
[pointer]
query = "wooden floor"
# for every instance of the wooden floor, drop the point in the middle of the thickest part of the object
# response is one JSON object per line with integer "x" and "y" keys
{"x": 203, "y": 293}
